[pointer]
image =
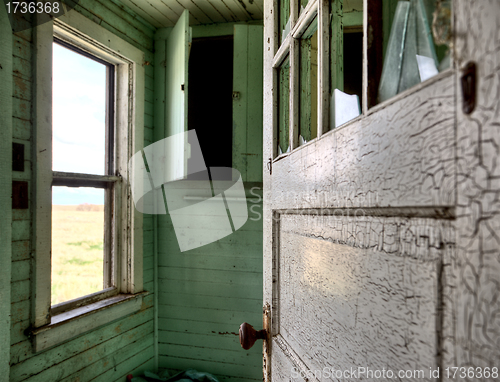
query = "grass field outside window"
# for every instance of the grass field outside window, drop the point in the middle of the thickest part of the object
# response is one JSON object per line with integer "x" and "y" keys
{"x": 77, "y": 251}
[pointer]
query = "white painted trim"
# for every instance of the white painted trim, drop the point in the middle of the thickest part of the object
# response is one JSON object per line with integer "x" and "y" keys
{"x": 305, "y": 19}
{"x": 67, "y": 325}
{"x": 137, "y": 144}
{"x": 79, "y": 23}
{"x": 42, "y": 177}
{"x": 5, "y": 190}
{"x": 282, "y": 52}
{"x": 129, "y": 135}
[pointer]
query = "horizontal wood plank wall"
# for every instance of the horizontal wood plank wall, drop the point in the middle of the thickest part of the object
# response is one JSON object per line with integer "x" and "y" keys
{"x": 207, "y": 292}
{"x": 115, "y": 350}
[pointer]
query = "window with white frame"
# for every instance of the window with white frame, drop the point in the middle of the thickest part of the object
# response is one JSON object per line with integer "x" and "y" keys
{"x": 83, "y": 177}
{"x": 87, "y": 234}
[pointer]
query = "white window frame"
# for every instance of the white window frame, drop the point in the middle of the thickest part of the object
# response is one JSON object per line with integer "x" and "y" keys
{"x": 80, "y": 315}
{"x": 289, "y": 48}
{"x": 110, "y": 182}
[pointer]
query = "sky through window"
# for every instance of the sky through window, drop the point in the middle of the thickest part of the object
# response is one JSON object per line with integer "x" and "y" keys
{"x": 78, "y": 124}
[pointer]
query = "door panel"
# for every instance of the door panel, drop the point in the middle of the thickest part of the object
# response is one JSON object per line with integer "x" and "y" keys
{"x": 359, "y": 293}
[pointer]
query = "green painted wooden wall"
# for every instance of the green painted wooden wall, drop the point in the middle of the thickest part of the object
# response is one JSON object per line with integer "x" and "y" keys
{"x": 207, "y": 292}
{"x": 110, "y": 352}
{"x": 247, "y": 108}
{"x": 5, "y": 193}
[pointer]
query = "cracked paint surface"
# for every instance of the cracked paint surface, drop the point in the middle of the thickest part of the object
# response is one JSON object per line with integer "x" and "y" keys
{"x": 475, "y": 339}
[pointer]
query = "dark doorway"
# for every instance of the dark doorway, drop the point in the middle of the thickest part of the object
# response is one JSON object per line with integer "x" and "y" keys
{"x": 210, "y": 109}
{"x": 353, "y": 64}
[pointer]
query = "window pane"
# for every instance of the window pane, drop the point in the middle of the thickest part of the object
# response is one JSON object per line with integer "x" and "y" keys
{"x": 284, "y": 17}
{"x": 79, "y": 113}
{"x": 77, "y": 242}
{"x": 284, "y": 106}
{"x": 346, "y": 60}
{"x": 411, "y": 52}
{"x": 308, "y": 95}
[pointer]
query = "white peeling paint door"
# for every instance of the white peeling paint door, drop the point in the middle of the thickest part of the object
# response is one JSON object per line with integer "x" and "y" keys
{"x": 176, "y": 93}
{"x": 359, "y": 239}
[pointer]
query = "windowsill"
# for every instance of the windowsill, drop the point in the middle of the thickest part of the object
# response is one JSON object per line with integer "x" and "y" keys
{"x": 67, "y": 325}
{"x": 56, "y": 310}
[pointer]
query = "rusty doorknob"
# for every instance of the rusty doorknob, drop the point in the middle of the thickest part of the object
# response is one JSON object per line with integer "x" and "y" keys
{"x": 248, "y": 335}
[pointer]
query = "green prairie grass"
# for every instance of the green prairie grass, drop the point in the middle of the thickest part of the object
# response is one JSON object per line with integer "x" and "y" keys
{"x": 77, "y": 251}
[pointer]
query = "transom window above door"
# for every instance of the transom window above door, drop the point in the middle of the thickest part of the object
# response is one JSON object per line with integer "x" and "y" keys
{"x": 335, "y": 60}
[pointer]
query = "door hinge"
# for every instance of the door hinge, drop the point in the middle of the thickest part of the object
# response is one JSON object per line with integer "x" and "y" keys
{"x": 270, "y": 166}
{"x": 469, "y": 87}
